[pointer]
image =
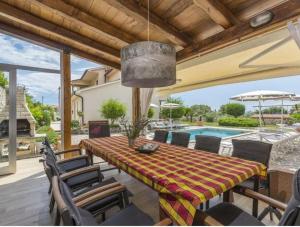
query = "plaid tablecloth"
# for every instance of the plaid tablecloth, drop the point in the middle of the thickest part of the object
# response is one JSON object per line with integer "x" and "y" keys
{"x": 184, "y": 178}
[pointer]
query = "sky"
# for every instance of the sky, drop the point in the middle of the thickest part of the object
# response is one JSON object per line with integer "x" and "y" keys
{"x": 16, "y": 51}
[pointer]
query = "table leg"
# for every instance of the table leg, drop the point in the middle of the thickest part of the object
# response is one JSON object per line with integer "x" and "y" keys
{"x": 90, "y": 154}
{"x": 255, "y": 201}
{"x": 226, "y": 196}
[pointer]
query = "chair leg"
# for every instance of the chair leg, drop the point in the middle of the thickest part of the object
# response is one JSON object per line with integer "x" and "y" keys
{"x": 57, "y": 218}
{"x": 119, "y": 170}
{"x": 207, "y": 205}
{"x": 264, "y": 213}
{"x": 103, "y": 216}
{"x": 50, "y": 189}
{"x": 51, "y": 204}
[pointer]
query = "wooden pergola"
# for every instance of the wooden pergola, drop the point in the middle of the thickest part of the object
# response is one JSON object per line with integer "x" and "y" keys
{"x": 98, "y": 29}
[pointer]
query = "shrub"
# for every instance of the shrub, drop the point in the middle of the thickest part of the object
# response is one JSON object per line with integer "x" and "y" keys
{"x": 112, "y": 110}
{"x": 3, "y": 80}
{"x": 75, "y": 124}
{"x": 150, "y": 113}
{"x": 210, "y": 117}
{"x": 233, "y": 109}
{"x": 238, "y": 122}
{"x": 296, "y": 117}
{"x": 50, "y": 133}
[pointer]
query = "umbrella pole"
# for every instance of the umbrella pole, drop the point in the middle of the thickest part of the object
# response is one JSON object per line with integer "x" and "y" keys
{"x": 260, "y": 120}
{"x": 281, "y": 125}
{"x": 171, "y": 124}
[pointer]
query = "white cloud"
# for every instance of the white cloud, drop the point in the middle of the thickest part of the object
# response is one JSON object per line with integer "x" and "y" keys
{"x": 19, "y": 52}
{"x": 15, "y": 51}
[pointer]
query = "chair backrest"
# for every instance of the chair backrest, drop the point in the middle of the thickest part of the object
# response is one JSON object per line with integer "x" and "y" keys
{"x": 62, "y": 207}
{"x": 161, "y": 136}
{"x": 208, "y": 143}
{"x": 98, "y": 129}
{"x": 69, "y": 212}
{"x": 50, "y": 162}
{"x": 291, "y": 215}
{"x": 252, "y": 150}
{"x": 181, "y": 139}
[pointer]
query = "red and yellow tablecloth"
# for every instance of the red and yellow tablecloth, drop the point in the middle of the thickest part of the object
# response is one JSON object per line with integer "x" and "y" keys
{"x": 184, "y": 178}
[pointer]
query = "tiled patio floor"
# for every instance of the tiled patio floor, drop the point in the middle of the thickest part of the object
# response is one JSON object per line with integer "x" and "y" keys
{"x": 24, "y": 198}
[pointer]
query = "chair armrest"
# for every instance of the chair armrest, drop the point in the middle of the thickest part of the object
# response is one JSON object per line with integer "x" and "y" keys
{"x": 68, "y": 151}
{"x": 204, "y": 219}
{"x": 272, "y": 202}
{"x": 73, "y": 159}
{"x": 164, "y": 222}
{"x": 80, "y": 171}
{"x": 101, "y": 195}
{"x": 95, "y": 191}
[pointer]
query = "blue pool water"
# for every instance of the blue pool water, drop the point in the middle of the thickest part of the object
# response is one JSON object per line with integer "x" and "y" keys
{"x": 211, "y": 132}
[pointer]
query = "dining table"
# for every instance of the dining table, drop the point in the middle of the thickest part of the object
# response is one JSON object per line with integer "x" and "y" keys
{"x": 184, "y": 178}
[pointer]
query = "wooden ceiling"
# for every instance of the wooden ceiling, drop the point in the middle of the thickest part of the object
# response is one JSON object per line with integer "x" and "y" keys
{"x": 98, "y": 29}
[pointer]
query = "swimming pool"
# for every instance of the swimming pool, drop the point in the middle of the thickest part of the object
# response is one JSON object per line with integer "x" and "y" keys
{"x": 219, "y": 132}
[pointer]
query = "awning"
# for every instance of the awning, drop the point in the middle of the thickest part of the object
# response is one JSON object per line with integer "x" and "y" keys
{"x": 222, "y": 67}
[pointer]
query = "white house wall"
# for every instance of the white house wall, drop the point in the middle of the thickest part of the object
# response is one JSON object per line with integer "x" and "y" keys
{"x": 95, "y": 96}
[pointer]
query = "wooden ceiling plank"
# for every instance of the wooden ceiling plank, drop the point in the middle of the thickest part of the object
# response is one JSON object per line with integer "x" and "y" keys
{"x": 88, "y": 20}
{"x": 282, "y": 13}
{"x": 217, "y": 12}
{"x": 132, "y": 8}
{"x": 177, "y": 8}
{"x": 48, "y": 43}
{"x": 21, "y": 16}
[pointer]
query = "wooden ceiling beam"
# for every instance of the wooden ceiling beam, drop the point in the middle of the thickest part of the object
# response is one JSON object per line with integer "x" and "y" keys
{"x": 85, "y": 19}
{"x": 24, "y": 17}
{"x": 217, "y": 12}
{"x": 133, "y": 9}
{"x": 282, "y": 14}
{"x": 48, "y": 43}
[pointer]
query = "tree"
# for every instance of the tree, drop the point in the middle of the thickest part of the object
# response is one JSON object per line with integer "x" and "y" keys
{"x": 233, "y": 109}
{"x": 3, "y": 80}
{"x": 112, "y": 110}
{"x": 188, "y": 113}
{"x": 176, "y": 113}
{"x": 200, "y": 110}
{"x": 150, "y": 113}
{"x": 43, "y": 114}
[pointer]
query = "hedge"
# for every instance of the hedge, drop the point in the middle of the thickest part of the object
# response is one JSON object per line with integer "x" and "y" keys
{"x": 238, "y": 122}
{"x": 296, "y": 117}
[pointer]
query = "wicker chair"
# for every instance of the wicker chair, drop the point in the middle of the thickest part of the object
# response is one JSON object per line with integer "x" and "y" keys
{"x": 73, "y": 212}
{"x": 181, "y": 139}
{"x": 208, "y": 143}
{"x": 160, "y": 136}
{"x": 254, "y": 151}
{"x": 229, "y": 214}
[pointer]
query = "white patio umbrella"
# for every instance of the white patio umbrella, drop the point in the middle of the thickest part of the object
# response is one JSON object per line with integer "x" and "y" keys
{"x": 264, "y": 95}
{"x": 170, "y": 106}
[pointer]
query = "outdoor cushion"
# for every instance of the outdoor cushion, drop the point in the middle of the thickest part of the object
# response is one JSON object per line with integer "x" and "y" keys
{"x": 229, "y": 214}
{"x": 208, "y": 143}
{"x": 70, "y": 165}
{"x": 84, "y": 178}
{"x": 130, "y": 216}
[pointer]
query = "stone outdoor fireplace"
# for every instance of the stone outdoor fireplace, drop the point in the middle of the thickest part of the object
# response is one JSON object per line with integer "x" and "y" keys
{"x": 25, "y": 120}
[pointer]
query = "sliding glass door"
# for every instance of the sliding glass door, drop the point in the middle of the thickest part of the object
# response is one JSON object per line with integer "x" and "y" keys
{"x": 8, "y": 124}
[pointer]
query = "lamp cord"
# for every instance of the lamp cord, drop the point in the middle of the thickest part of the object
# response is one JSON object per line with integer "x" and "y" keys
{"x": 148, "y": 20}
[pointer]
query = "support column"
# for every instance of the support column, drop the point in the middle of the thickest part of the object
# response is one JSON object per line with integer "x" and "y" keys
{"x": 136, "y": 104}
{"x": 65, "y": 100}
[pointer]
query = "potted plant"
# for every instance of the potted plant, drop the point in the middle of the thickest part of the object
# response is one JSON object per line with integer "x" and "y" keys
{"x": 133, "y": 129}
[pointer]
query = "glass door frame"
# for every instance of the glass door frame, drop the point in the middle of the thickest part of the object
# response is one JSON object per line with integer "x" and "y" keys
{"x": 12, "y": 138}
